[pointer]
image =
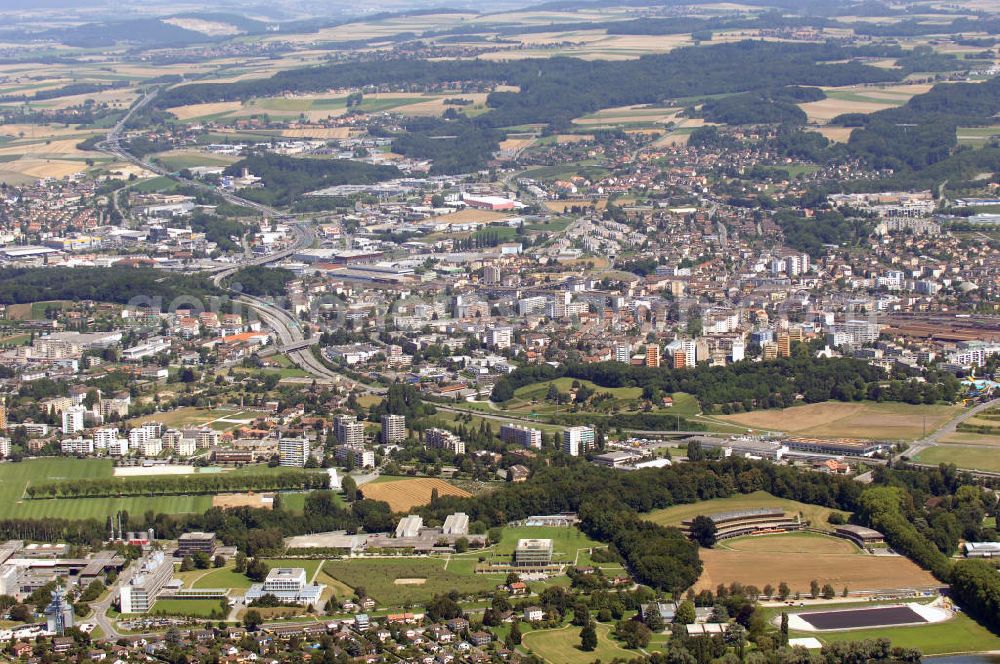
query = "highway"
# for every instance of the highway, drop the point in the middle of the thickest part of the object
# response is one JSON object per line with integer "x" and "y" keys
{"x": 284, "y": 325}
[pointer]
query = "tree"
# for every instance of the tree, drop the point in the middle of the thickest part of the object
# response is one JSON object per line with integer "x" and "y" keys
{"x": 252, "y": 620}
{"x": 703, "y": 531}
{"x": 240, "y": 563}
{"x": 257, "y": 570}
{"x": 633, "y": 633}
{"x": 581, "y": 614}
{"x": 588, "y": 637}
{"x": 685, "y": 614}
{"x": 784, "y": 628}
{"x": 219, "y": 561}
{"x": 814, "y": 588}
{"x": 21, "y": 613}
{"x": 828, "y": 592}
{"x": 695, "y": 452}
{"x": 202, "y": 560}
{"x": 461, "y": 545}
{"x": 350, "y": 488}
{"x": 783, "y": 591}
{"x": 513, "y": 636}
{"x": 187, "y": 564}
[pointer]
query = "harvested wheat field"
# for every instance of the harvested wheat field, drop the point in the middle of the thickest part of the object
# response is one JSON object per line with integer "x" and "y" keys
{"x": 865, "y": 419}
{"x": 470, "y": 216}
{"x": 799, "y": 558}
{"x": 200, "y": 110}
{"x": 317, "y": 132}
{"x": 227, "y": 500}
{"x": 516, "y": 143}
{"x": 403, "y": 495}
{"x": 837, "y": 134}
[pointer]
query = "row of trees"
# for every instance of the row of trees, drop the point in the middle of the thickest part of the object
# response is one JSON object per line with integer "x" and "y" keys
{"x": 173, "y": 485}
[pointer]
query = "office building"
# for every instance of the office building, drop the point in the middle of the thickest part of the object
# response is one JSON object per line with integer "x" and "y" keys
{"x": 577, "y": 440}
{"x": 533, "y": 552}
{"x": 288, "y": 584}
{"x": 189, "y": 544}
{"x": 293, "y": 452}
{"x": 393, "y": 428}
{"x": 141, "y": 591}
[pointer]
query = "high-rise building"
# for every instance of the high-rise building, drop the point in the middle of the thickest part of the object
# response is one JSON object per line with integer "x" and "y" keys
{"x": 293, "y": 452}
{"x": 441, "y": 439}
{"x": 622, "y": 352}
{"x": 784, "y": 345}
{"x": 393, "y": 428}
{"x": 72, "y": 420}
{"x": 523, "y": 436}
{"x": 348, "y": 431}
{"x": 3, "y": 416}
{"x": 577, "y": 440}
{"x": 499, "y": 337}
{"x": 141, "y": 591}
{"x": 652, "y": 355}
{"x": 491, "y": 275}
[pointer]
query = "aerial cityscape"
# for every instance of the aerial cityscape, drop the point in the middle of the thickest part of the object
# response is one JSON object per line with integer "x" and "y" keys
{"x": 618, "y": 331}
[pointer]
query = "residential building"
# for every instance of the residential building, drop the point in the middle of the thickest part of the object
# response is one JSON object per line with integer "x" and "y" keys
{"x": 577, "y": 440}
{"x": 72, "y": 420}
{"x": 521, "y": 435}
{"x": 293, "y": 452}
{"x": 393, "y": 428}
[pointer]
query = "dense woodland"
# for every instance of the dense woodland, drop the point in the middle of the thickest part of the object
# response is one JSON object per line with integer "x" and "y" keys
{"x": 113, "y": 284}
{"x": 260, "y": 280}
{"x": 284, "y": 179}
{"x": 747, "y": 385}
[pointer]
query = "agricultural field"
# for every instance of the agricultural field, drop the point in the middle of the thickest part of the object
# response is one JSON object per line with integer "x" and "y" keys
{"x": 834, "y": 419}
{"x": 629, "y": 115}
{"x": 799, "y": 558}
{"x": 220, "y": 419}
{"x": 404, "y": 495}
{"x": 981, "y": 457}
{"x": 562, "y": 646}
{"x": 392, "y": 582}
{"x": 179, "y": 159}
{"x": 854, "y": 99}
{"x": 672, "y": 516}
{"x": 977, "y": 137}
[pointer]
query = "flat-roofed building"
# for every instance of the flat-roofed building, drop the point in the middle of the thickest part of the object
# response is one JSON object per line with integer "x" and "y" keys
{"x": 293, "y": 452}
{"x": 521, "y": 435}
{"x": 197, "y": 542}
{"x": 141, "y": 591}
{"x": 842, "y": 446}
{"x": 393, "y": 428}
{"x": 288, "y": 584}
{"x": 533, "y": 552}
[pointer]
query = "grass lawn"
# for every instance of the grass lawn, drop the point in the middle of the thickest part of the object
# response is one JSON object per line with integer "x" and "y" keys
{"x": 981, "y": 457}
{"x": 861, "y": 419}
{"x": 15, "y": 477}
{"x": 378, "y": 576}
{"x": 566, "y": 542}
{"x": 224, "y": 577}
{"x": 672, "y": 516}
{"x": 198, "y": 608}
{"x": 961, "y": 634}
{"x": 537, "y": 391}
{"x": 562, "y": 645}
{"x": 189, "y": 416}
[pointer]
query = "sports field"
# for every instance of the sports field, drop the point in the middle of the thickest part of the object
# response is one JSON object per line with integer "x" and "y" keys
{"x": 672, "y": 516}
{"x": 961, "y": 634}
{"x": 799, "y": 558}
{"x": 15, "y": 477}
{"x": 378, "y": 578}
{"x": 560, "y": 646}
{"x": 863, "y": 419}
{"x": 404, "y": 495}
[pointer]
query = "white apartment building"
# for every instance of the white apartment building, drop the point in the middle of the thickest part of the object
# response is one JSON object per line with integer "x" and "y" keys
{"x": 293, "y": 451}
{"x": 72, "y": 420}
{"x": 577, "y": 440}
{"x": 393, "y": 428}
